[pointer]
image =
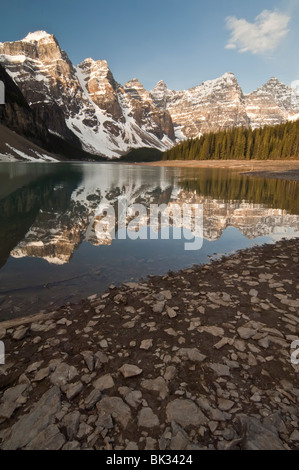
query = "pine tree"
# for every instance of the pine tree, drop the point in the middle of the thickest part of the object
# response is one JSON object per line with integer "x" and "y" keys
{"x": 276, "y": 142}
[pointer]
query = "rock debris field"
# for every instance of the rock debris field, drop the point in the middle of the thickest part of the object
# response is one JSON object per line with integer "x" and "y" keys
{"x": 198, "y": 359}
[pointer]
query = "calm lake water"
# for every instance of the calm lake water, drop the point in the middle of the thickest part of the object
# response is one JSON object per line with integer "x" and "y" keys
{"x": 52, "y": 250}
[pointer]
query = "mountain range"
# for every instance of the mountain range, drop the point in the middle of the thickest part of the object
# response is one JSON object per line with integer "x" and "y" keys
{"x": 82, "y": 112}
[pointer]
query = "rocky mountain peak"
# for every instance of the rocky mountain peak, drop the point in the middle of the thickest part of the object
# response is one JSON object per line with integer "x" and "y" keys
{"x": 35, "y": 46}
{"x": 273, "y": 81}
{"x": 161, "y": 85}
{"x": 136, "y": 90}
{"x": 97, "y": 79}
{"x": 38, "y": 36}
{"x": 219, "y": 85}
{"x": 97, "y": 70}
{"x": 229, "y": 75}
{"x": 277, "y": 99}
{"x": 213, "y": 105}
{"x": 161, "y": 94}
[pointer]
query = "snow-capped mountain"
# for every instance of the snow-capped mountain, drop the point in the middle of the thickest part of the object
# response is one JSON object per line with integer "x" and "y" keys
{"x": 220, "y": 104}
{"x": 272, "y": 104}
{"x": 84, "y": 103}
{"x": 215, "y": 104}
{"x": 85, "y": 106}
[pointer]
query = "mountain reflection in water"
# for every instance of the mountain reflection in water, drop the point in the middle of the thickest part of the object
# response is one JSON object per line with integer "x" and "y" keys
{"x": 50, "y": 213}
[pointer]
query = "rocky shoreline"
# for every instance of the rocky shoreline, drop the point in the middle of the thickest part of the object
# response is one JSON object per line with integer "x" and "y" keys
{"x": 198, "y": 359}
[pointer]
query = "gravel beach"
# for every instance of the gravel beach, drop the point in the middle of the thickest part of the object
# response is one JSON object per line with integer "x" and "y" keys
{"x": 197, "y": 359}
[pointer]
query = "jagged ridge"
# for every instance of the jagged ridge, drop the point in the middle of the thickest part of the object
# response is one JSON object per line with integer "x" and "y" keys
{"x": 87, "y": 107}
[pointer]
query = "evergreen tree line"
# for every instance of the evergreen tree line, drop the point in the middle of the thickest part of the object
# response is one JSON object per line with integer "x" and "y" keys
{"x": 270, "y": 142}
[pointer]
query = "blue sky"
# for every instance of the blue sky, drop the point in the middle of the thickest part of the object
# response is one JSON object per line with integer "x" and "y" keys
{"x": 182, "y": 42}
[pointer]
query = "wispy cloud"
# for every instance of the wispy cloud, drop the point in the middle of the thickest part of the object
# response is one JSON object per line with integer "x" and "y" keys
{"x": 260, "y": 37}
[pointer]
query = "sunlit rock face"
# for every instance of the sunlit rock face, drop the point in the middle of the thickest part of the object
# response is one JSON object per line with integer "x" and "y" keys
{"x": 273, "y": 103}
{"x": 221, "y": 104}
{"x": 211, "y": 106}
{"x": 84, "y": 102}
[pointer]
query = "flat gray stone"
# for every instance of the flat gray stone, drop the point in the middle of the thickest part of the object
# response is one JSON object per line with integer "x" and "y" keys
{"x": 72, "y": 445}
{"x": 171, "y": 312}
{"x": 48, "y": 439}
{"x": 33, "y": 367}
{"x": 258, "y": 436}
{"x": 63, "y": 374}
{"x": 89, "y": 359}
{"x": 218, "y": 415}
{"x": 170, "y": 373}
{"x": 20, "y": 334}
{"x": 179, "y": 440}
{"x": 150, "y": 444}
{"x": 185, "y": 413}
{"x": 30, "y": 425}
{"x": 146, "y": 344}
{"x": 158, "y": 385}
{"x": 71, "y": 423}
{"x": 116, "y": 407}
{"x": 92, "y": 399}
{"x": 2, "y": 333}
{"x": 147, "y": 418}
{"x": 295, "y": 435}
{"x": 220, "y": 369}
{"x": 12, "y": 399}
{"x": 130, "y": 370}
{"x": 12, "y": 394}
{"x": 132, "y": 397}
{"x": 213, "y": 330}
{"x": 166, "y": 294}
{"x": 104, "y": 420}
{"x": 246, "y": 333}
{"x": 103, "y": 343}
{"x": 132, "y": 446}
{"x": 42, "y": 374}
{"x": 73, "y": 390}
{"x": 158, "y": 307}
{"x": 104, "y": 383}
{"x": 191, "y": 354}
{"x": 100, "y": 358}
{"x": 224, "y": 404}
{"x": 84, "y": 430}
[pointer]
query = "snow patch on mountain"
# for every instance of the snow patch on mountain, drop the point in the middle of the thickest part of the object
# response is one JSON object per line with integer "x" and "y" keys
{"x": 37, "y": 36}
{"x": 14, "y": 153}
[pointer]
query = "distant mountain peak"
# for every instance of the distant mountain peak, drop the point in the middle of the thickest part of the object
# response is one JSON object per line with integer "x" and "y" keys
{"x": 230, "y": 75}
{"x": 274, "y": 81}
{"x": 133, "y": 81}
{"x": 161, "y": 84}
{"x": 38, "y": 36}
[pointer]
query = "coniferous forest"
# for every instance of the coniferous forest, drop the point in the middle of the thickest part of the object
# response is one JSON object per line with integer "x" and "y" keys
{"x": 270, "y": 142}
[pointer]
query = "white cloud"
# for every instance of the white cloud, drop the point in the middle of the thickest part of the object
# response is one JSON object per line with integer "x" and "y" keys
{"x": 262, "y": 36}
